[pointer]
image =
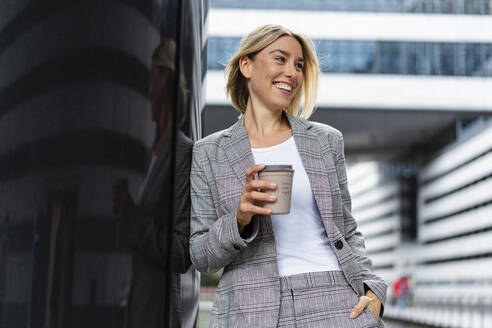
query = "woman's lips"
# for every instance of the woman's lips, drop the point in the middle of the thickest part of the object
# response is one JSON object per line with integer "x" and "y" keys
{"x": 285, "y": 88}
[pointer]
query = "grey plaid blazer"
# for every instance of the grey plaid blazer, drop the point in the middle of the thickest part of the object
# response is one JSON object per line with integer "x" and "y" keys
{"x": 248, "y": 294}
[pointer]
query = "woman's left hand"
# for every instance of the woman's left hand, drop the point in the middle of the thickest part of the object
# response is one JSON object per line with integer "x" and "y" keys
{"x": 371, "y": 301}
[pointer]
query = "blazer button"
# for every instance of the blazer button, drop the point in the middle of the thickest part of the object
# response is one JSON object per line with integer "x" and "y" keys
{"x": 237, "y": 247}
{"x": 339, "y": 244}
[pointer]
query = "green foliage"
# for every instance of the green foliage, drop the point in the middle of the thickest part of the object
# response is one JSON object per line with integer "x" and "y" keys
{"x": 211, "y": 279}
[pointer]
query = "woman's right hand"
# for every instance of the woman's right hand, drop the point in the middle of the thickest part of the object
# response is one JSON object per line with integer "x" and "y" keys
{"x": 251, "y": 197}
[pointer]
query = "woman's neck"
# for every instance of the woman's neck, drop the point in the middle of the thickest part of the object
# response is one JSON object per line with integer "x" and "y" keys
{"x": 262, "y": 122}
{"x": 265, "y": 127}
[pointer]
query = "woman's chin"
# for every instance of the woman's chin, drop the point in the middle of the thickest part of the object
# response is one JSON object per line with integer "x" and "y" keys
{"x": 279, "y": 106}
{"x": 276, "y": 109}
{"x": 284, "y": 103}
{"x": 282, "y": 107}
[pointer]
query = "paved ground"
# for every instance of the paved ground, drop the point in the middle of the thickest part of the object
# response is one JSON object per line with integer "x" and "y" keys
{"x": 204, "y": 317}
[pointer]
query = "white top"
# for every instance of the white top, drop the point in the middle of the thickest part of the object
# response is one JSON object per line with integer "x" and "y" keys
{"x": 300, "y": 237}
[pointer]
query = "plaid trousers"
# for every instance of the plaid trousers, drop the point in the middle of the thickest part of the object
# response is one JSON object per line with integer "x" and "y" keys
{"x": 320, "y": 299}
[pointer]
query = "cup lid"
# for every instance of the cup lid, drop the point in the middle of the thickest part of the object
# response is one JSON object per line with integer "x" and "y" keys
{"x": 270, "y": 168}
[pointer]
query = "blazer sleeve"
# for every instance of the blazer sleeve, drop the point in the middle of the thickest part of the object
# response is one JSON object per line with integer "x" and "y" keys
{"x": 354, "y": 238}
{"x": 215, "y": 241}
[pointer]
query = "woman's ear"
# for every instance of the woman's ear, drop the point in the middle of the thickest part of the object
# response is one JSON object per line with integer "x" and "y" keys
{"x": 245, "y": 64}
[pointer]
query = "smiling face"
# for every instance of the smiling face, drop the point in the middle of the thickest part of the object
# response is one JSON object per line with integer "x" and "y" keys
{"x": 275, "y": 74}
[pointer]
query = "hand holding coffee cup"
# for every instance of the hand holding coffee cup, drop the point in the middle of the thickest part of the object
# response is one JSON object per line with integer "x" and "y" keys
{"x": 252, "y": 197}
{"x": 282, "y": 175}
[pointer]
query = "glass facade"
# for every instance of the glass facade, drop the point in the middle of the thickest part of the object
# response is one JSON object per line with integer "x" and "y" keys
{"x": 100, "y": 102}
{"x": 467, "y": 7}
{"x": 383, "y": 57}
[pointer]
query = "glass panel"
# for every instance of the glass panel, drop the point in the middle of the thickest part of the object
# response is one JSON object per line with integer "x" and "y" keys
{"x": 415, "y": 58}
{"x": 390, "y": 54}
{"x": 473, "y": 7}
{"x": 99, "y": 104}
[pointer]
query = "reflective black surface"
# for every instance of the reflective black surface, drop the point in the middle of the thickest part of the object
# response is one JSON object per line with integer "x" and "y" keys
{"x": 96, "y": 136}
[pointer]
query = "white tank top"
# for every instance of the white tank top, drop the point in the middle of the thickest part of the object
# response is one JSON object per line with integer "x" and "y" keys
{"x": 300, "y": 237}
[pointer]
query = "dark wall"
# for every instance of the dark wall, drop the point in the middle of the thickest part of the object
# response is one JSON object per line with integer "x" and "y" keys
{"x": 75, "y": 117}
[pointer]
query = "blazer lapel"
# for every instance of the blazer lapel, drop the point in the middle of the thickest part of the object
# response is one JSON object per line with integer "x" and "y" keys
{"x": 320, "y": 168}
{"x": 238, "y": 150}
{"x": 309, "y": 148}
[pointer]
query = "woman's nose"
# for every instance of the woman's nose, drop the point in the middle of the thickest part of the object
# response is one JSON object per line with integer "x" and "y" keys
{"x": 290, "y": 70}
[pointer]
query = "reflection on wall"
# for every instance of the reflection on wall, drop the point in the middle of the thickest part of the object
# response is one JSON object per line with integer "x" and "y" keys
{"x": 74, "y": 117}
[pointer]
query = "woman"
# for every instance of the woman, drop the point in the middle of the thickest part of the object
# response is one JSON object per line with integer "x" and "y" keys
{"x": 303, "y": 269}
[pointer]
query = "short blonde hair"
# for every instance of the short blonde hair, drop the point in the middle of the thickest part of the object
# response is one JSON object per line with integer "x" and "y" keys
{"x": 256, "y": 41}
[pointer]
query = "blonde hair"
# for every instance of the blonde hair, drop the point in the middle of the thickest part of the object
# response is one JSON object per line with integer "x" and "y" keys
{"x": 256, "y": 41}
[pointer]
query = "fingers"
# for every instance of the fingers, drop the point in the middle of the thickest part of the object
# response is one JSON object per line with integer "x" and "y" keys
{"x": 251, "y": 202}
{"x": 260, "y": 196}
{"x": 250, "y": 173}
{"x": 375, "y": 305}
{"x": 255, "y": 184}
{"x": 261, "y": 184}
{"x": 252, "y": 196}
{"x": 375, "y": 308}
{"x": 359, "y": 307}
{"x": 254, "y": 209}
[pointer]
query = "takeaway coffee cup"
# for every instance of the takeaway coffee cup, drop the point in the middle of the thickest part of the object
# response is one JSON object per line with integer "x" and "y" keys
{"x": 282, "y": 175}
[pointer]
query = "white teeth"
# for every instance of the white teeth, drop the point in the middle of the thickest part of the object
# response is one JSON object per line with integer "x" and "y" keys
{"x": 283, "y": 86}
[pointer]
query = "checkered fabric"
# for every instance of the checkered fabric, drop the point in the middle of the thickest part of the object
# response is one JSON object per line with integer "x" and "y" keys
{"x": 248, "y": 294}
{"x": 320, "y": 300}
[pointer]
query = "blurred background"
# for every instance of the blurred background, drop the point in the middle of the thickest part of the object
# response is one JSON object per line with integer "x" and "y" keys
{"x": 82, "y": 135}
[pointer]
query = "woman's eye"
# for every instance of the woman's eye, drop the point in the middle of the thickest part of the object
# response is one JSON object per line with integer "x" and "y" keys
{"x": 280, "y": 59}
{"x": 300, "y": 66}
